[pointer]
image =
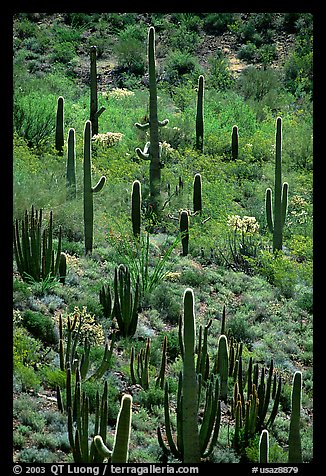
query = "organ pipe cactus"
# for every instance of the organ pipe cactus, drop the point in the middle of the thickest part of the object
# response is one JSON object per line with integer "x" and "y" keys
{"x": 295, "y": 451}
{"x": 33, "y": 247}
{"x": 78, "y": 421}
{"x": 197, "y": 194}
{"x": 152, "y": 150}
{"x": 119, "y": 453}
{"x": 136, "y": 208}
{"x": 89, "y": 190}
{"x": 94, "y": 111}
{"x": 141, "y": 376}
{"x": 71, "y": 165}
{"x": 235, "y": 143}
{"x": 200, "y": 115}
{"x": 161, "y": 375}
{"x": 59, "y": 129}
{"x": 276, "y": 221}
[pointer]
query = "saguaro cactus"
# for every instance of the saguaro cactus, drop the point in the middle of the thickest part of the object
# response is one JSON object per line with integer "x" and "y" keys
{"x": 200, "y": 115}
{"x": 191, "y": 448}
{"x": 71, "y": 165}
{"x": 184, "y": 229}
{"x": 94, "y": 111}
{"x": 89, "y": 190}
{"x": 136, "y": 207}
{"x": 295, "y": 451}
{"x": 192, "y": 443}
{"x": 223, "y": 366}
{"x": 59, "y": 129}
{"x": 120, "y": 451}
{"x": 197, "y": 194}
{"x": 235, "y": 143}
{"x": 152, "y": 151}
{"x": 264, "y": 447}
{"x": 276, "y": 225}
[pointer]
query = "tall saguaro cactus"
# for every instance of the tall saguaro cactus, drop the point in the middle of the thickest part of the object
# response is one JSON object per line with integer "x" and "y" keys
{"x": 295, "y": 452}
{"x": 152, "y": 150}
{"x": 89, "y": 190}
{"x": 191, "y": 446}
{"x": 59, "y": 127}
{"x": 71, "y": 165}
{"x": 276, "y": 224}
{"x": 94, "y": 111}
{"x": 200, "y": 115}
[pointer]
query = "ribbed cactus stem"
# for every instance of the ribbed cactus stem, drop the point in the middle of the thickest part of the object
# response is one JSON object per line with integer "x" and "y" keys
{"x": 94, "y": 111}
{"x": 153, "y": 148}
{"x": 223, "y": 366}
{"x": 295, "y": 451}
{"x": 122, "y": 434}
{"x": 191, "y": 446}
{"x": 59, "y": 130}
{"x": 264, "y": 447}
{"x": 136, "y": 207}
{"x": 71, "y": 165}
{"x": 276, "y": 223}
{"x": 200, "y": 115}
{"x": 235, "y": 143}
{"x": 89, "y": 190}
{"x": 197, "y": 193}
{"x": 184, "y": 229}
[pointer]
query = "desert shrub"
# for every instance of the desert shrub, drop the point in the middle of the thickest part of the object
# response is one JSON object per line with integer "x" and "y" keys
{"x": 184, "y": 40}
{"x": 40, "y": 326}
{"x": 217, "y": 23}
{"x": 181, "y": 66}
{"x": 219, "y": 75}
{"x": 130, "y": 49}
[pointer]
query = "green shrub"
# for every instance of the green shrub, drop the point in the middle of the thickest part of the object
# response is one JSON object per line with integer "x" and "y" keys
{"x": 181, "y": 66}
{"x": 130, "y": 49}
{"x": 40, "y": 326}
{"x": 217, "y": 23}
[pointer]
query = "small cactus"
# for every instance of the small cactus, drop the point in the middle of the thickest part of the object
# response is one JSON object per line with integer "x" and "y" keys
{"x": 235, "y": 143}
{"x": 136, "y": 208}
{"x": 197, "y": 194}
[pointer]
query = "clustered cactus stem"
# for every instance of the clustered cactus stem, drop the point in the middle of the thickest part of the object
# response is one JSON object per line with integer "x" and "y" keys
{"x": 200, "y": 115}
{"x": 89, "y": 190}
{"x": 94, "y": 111}
{"x": 184, "y": 229}
{"x": 276, "y": 222}
{"x": 152, "y": 149}
{"x": 33, "y": 247}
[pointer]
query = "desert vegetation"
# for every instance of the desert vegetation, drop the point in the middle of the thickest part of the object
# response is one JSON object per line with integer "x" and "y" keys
{"x": 162, "y": 238}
